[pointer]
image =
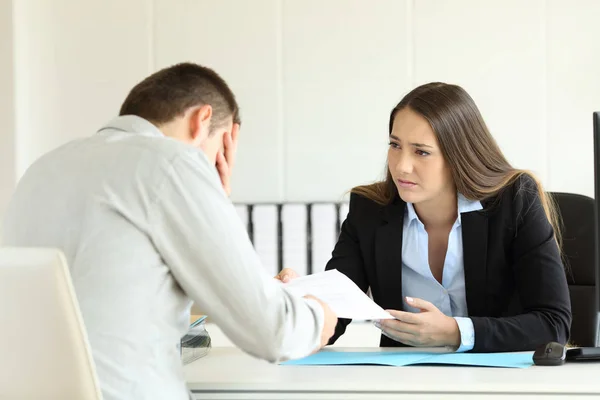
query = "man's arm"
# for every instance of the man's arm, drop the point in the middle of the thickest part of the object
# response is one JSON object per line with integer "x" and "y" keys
{"x": 203, "y": 241}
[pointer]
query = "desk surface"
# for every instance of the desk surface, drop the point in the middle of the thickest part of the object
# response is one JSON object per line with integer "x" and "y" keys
{"x": 229, "y": 373}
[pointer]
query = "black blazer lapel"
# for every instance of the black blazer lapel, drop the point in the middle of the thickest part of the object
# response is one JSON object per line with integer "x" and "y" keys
{"x": 475, "y": 237}
{"x": 388, "y": 256}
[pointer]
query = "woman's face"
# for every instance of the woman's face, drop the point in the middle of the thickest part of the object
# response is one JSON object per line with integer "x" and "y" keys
{"x": 415, "y": 160}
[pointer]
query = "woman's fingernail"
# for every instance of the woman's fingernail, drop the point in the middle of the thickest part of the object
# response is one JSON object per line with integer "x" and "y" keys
{"x": 409, "y": 299}
{"x": 377, "y": 324}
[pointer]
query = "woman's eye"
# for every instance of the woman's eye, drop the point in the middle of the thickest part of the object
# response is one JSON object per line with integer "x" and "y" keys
{"x": 394, "y": 145}
{"x": 422, "y": 153}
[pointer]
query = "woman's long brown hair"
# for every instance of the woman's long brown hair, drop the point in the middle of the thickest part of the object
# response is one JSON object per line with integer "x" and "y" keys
{"x": 479, "y": 168}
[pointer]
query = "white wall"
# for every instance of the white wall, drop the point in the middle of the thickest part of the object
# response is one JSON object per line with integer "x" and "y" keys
{"x": 573, "y": 90}
{"x": 315, "y": 79}
{"x": 7, "y": 131}
{"x": 74, "y": 63}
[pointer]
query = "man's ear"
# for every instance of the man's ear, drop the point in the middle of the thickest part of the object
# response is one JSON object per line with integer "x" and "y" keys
{"x": 200, "y": 123}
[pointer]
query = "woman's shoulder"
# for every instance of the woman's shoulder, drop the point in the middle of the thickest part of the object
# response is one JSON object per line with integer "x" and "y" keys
{"x": 369, "y": 199}
{"x": 521, "y": 192}
{"x": 362, "y": 208}
{"x": 370, "y": 204}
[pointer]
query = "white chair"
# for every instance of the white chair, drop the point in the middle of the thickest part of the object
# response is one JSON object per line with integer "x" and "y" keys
{"x": 44, "y": 350}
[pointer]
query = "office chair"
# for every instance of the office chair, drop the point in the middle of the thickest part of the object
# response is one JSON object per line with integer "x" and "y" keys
{"x": 579, "y": 241}
{"x": 44, "y": 350}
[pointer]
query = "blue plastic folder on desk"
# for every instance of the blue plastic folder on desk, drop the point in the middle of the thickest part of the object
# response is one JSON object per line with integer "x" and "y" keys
{"x": 400, "y": 358}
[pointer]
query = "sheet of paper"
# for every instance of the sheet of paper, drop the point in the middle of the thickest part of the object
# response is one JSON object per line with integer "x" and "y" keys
{"x": 340, "y": 293}
{"x": 399, "y": 359}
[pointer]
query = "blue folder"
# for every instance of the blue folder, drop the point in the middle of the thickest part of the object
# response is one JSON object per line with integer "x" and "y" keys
{"x": 403, "y": 358}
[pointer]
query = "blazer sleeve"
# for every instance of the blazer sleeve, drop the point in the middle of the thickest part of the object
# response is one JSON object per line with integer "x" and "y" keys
{"x": 347, "y": 258}
{"x": 540, "y": 281}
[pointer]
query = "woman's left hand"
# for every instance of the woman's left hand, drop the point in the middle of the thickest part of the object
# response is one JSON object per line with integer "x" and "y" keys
{"x": 430, "y": 327}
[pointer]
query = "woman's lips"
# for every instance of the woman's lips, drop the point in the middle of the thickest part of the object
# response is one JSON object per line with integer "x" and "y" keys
{"x": 405, "y": 184}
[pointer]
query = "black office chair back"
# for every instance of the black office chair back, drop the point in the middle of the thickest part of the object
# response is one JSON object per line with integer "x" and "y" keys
{"x": 579, "y": 243}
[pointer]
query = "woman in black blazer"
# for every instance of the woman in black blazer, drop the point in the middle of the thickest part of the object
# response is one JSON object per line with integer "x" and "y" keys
{"x": 454, "y": 221}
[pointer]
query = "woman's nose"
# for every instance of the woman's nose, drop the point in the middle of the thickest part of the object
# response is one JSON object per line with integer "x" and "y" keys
{"x": 404, "y": 165}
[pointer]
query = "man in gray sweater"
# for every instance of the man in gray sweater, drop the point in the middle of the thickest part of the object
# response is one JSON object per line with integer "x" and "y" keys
{"x": 142, "y": 213}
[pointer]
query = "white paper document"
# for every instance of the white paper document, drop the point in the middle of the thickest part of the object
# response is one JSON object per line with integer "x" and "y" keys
{"x": 340, "y": 293}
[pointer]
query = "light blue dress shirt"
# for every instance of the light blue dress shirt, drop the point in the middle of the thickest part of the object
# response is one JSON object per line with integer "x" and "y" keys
{"x": 418, "y": 281}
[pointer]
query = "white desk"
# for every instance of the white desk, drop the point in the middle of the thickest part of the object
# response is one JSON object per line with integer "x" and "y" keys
{"x": 228, "y": 373}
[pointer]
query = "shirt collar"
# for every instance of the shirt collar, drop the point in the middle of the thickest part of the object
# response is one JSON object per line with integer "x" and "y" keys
{"x": 412, "y": 214}
{"x": 464, "y": 206}
{"x": 134, "y": 124}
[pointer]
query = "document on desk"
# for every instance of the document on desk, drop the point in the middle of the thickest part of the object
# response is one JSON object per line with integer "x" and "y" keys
{"x": 404, "y": 358}
{"x": 340, "y": 293}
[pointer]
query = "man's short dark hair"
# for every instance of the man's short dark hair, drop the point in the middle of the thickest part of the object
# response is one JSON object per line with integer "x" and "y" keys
{"x": 168, "y": 93}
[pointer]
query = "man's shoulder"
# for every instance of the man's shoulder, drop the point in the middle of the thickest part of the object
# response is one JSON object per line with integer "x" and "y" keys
{"x": 117, "y": 141}
{"x": 113, "y": 158}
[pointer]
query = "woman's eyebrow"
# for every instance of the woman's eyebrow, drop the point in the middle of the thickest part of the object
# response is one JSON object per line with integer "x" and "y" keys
{"x": 412, "y": 144}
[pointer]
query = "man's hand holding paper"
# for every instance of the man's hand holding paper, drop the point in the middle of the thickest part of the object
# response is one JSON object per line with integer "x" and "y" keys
{"x": 338, "y": 291}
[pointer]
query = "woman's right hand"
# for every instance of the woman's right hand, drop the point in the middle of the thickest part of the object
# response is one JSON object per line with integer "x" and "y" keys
{"x": 286, "y": 275}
